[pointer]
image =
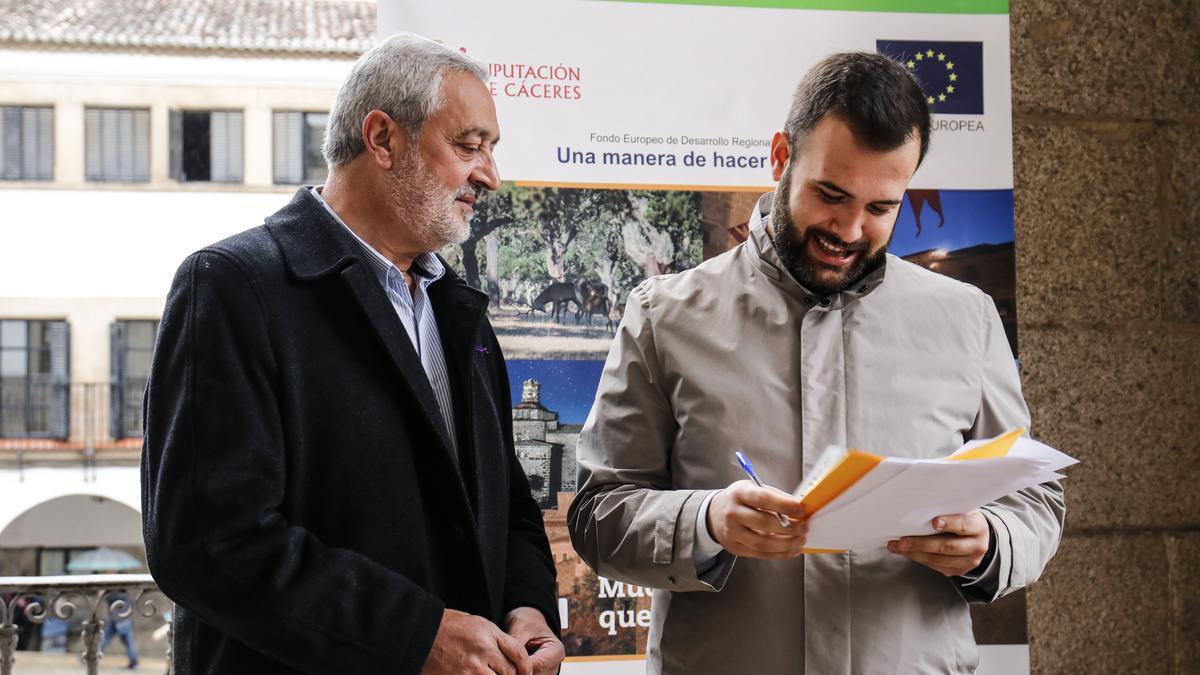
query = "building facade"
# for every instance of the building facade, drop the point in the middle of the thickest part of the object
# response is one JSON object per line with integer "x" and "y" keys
{"x": 128, "y": 140}
{"x": 545, "y": 448}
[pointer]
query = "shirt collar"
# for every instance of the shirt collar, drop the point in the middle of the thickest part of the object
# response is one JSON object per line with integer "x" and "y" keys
{"x": 427, "y": 267}
{"x": 769, "y": 262}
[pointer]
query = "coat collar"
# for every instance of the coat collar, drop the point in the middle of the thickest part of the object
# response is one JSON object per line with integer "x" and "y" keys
{"x": 767, "y": 260}
{"x": 314, "y": 244}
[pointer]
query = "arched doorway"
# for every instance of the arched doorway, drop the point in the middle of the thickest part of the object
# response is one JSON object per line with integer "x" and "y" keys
{"x": 58, "y": 534}
{"x": 74, "y": 521}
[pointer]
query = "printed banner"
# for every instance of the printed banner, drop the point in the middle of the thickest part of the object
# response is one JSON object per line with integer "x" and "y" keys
{"x": 687, "y": 95}
{"x": 635, "y": 143}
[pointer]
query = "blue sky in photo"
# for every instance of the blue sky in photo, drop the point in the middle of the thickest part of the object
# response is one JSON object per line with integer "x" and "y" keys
{"x": 972, "y": 217}
{"x": 568, "y": 387}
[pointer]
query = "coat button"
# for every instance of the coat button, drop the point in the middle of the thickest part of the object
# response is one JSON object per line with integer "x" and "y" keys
{"x": 863, "y": 289}
{"x": 825, "y": 302}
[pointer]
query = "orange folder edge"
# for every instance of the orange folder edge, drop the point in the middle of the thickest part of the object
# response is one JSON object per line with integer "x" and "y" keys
{"x": 853, "y": 466}
{"x": 997, "y": 447}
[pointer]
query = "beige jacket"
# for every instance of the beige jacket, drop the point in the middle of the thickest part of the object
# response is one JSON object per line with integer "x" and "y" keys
{"x": 734, "y": 354}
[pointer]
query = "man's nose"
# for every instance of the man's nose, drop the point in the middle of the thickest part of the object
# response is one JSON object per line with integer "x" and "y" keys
{"x": 849, "y": 224}
{"x": 487, "y": 174}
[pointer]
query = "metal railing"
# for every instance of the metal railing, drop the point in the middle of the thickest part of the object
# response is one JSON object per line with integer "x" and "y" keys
{"x": 62, "y": 597}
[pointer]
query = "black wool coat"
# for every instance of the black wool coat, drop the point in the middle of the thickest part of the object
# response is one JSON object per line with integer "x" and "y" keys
{"x": 301, "y": 502}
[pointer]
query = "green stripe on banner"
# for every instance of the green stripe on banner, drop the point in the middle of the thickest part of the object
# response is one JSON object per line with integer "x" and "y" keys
{"x": 909, "y": 6}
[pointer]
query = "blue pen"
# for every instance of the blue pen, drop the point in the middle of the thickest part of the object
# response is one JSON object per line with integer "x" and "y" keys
{"x": 745, "y": 464}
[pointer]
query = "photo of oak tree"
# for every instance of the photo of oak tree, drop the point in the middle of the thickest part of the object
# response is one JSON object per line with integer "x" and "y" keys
{"x": 558, "y": 263}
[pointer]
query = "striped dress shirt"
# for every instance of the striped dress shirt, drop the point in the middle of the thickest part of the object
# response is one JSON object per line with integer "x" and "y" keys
{"x": 415, "y": 312}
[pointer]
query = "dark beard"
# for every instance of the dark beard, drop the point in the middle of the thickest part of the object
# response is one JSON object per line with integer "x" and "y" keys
{"x": 793, "y": 249}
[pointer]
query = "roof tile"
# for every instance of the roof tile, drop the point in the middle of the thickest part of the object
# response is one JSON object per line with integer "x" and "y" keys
{"x": 345, "y": 27}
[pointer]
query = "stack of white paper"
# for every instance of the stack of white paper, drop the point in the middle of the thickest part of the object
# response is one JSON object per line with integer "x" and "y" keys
{"x": 899, "y": 497}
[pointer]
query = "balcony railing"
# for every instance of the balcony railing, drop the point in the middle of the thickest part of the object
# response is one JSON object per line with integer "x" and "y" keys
{"x": 92, "y": 597}
{"x": 82, "y": 423}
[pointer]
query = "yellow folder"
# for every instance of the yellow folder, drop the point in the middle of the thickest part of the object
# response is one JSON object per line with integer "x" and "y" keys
{"x": 997, "y": 447}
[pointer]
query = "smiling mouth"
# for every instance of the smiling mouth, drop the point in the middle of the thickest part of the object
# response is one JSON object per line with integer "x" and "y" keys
{"x": 833, "y": 253}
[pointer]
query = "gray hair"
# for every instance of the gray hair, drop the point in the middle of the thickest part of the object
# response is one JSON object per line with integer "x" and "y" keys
{"x": 401, "y": 76}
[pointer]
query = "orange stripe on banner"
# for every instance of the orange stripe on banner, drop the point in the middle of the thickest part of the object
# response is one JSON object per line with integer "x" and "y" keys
{"x": 643, "y": 186}
{"x": 610, "y": 657}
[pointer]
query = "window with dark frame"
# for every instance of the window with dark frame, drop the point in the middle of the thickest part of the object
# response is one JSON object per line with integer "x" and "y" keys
{"x": 117, "y": 144}
{"x": 35, "y": 385}
{"x": 132, "y": 346}
{"x": 206, "y": 145}
{"x": 26, "y": 143}
{"x": 297, "y": 147}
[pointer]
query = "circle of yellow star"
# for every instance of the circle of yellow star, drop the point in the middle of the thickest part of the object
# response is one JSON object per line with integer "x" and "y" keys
{"x": 944, "y": 95}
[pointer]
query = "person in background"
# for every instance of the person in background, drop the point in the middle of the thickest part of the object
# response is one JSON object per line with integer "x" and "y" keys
{"x": 122, "y": 628}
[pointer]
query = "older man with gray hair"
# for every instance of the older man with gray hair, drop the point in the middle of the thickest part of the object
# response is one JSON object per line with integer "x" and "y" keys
{"x": 330, "y": 484}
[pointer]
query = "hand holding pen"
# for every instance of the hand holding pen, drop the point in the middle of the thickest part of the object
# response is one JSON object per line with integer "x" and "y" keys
{"x": 749, "y": 469}
{"x": 752, "y": 520}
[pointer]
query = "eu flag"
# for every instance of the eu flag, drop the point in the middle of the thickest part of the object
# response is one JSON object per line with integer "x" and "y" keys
{"x": 950, "y": 73}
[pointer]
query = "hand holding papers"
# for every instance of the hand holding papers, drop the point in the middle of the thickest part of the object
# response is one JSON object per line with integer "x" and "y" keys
{"x": 960, "y": 547}
{"x": 861, "y": 500}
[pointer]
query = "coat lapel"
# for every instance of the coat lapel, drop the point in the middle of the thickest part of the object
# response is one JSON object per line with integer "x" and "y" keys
{"x": 316, "y": 245}
{"x": 375, "y": 304}
{"x": 460, "y": 310}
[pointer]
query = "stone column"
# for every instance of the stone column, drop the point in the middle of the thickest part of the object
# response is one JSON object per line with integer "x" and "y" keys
{"x": 1106, "y": 97}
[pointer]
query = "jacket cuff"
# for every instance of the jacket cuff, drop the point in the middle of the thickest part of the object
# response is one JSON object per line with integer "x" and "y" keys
{"x": 707, "y": 548}
{"x": 676, "y": 548}
{"x": 990, "y": 583}
{"x": 421, "y": 643}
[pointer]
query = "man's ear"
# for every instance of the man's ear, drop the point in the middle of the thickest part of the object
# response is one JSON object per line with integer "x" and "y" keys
{"x": 383, "y": 138}
{"x": 781, "y": 152}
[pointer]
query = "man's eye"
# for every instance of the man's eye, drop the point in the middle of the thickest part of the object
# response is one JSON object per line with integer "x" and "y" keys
{"x": 829, "y": 198}
{"x": 878, "y": 210}
{"x": 468, "y": 148}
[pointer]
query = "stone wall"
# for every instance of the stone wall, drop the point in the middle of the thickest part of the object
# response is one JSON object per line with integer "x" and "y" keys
{"x": 1106, "y": 107}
